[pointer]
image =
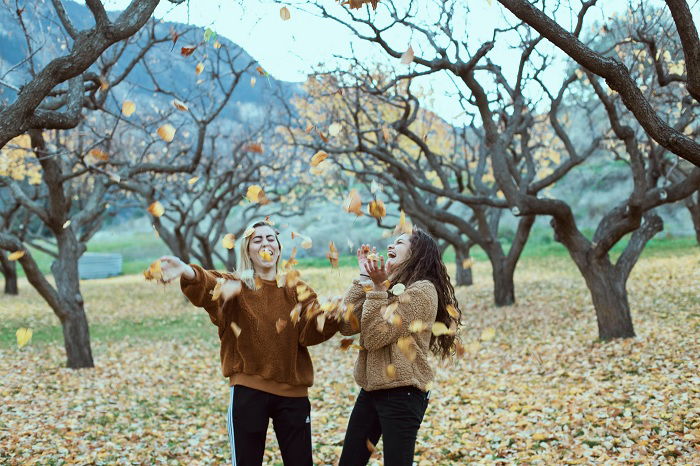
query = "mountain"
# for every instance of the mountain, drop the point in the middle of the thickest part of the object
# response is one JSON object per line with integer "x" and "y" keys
{"x": 174, "y": 71}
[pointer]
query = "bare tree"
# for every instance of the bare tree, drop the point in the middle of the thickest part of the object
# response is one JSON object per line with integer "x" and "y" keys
{"x": 618, "y": 75}
{"x": 39, "y": 104}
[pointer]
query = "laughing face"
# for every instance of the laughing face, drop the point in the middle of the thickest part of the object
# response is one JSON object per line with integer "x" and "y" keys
{"x": 263, "y": 248}
{"x": 398, "y": 251}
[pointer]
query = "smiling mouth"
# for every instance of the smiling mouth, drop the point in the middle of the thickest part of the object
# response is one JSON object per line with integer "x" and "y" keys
{"x": 391, "y": 254}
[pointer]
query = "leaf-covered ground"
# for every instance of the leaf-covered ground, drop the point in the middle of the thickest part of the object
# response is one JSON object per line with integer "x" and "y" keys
{"x": 543, "y": 391}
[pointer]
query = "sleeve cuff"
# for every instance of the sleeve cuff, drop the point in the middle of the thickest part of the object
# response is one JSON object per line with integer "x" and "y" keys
{"x": 189, "y": 281}
{"x": 377, "y": 295}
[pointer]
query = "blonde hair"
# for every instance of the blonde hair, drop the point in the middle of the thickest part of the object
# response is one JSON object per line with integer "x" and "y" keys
{"x": 245, "y": 269}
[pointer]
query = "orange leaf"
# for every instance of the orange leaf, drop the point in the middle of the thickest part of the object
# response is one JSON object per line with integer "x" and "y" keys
{"x": 284, "y": 13}
{"x": 377, "y": 209}
{"x": 156, "y": 209}
{"x": 318, "y": 157}
{"x": 99, "y": 154}
{"x": 333, "y": 255}
{"x": 180, "y": 105}
{"x": 199, "y": 68}
{"x": 254, "y": 147}
{"x": 166, "y": 132}
{"x": 188, "y": 50}
{"x": 16, "y": 255}
{"x": 353, "y": 203}
{"x": 345, "y": 343}
{"x": 128, "y": 108}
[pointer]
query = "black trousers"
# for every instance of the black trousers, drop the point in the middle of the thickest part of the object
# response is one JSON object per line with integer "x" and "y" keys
{"x": 248, "y": 416}
{"x": 394, "y": 414}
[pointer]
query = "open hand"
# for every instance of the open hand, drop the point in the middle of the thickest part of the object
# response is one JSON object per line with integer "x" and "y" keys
{"x": 377, "y": 273}
{"x": 364, "y": 253}
{"x": 173, "y": 267}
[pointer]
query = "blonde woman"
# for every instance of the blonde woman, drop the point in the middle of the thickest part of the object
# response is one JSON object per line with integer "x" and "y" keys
{"x": 264, "y": 331}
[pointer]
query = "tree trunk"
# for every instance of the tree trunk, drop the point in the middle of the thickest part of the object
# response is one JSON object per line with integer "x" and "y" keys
{"x": 694, "y": 209}
{"x": 463, "y": 276}
{"x": 503, "y": 285}
{"x": 9, "y": 271}
{"x": 76, "y": 338}
{"x": 609, "y": 294}
{"x": 76, "y": 334}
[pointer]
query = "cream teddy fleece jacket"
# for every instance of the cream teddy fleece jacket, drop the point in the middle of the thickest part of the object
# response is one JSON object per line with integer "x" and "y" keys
{"x": 386, "y": 340}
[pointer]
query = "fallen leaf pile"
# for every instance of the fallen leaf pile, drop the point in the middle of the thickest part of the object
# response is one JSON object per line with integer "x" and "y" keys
{"x": 533, "y": 385}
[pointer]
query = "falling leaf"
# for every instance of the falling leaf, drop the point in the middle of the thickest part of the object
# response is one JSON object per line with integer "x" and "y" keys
{"x": 320, "y": 322}
{"x": 261, "y": 71}
{"x": 353, "y": 203}
{"x": 333, "y": 255}
{"x": 322, "y": 136}
{"x": 334, "y": 129}
{"x": 199, "y": 68}
{"x": 188, "y": 50}
{"x": 391, "y": 371}
{"x": 309, "y": 128}
{"x": 440, "y": 329}
{"x": 253, "y": 80}
{"x": 386, "y": 134}
{"x": 23, "y": 336}
{"x": 307, "y": 243}
{"x": 403, "y": 226}
{"x": 459, "y": 349}
{"x": 398, "y": 289}
{"x": 104, "y": 84}
{"x": 229, "y": 241}
{"x": 292, "y": 277}
{"x": 467, "y": 263}
{"x": 375, "y": 187}
{"x": 345, "y": 343}
{"x": 209, "y": 34}
{"x": 489, "y": 333}
{"x": 154, "y": 271}
{"x": 284, "y": 13}
{"x": 254, "y": 147}
{"x": 216, "y": 291}
{"x": 269, "y": 221}
{"x": 452, "y": 311}
{"x": 318, "y": 157}
{"x": 280, "y": 325}
{"x": 217, "y": 44}
{"x": 377, "y": 209}
{"x": 192, "y": 180}
{"x": 255, "y": 194}
{"x": 407, "y": 57}
{"x": 167, "y": 132}
{"x": 156, "y": 209}
{"x": 128, "y": 108}
{"x": 99, "y": 154}
{"x": 66, "y": 224}
{"x": 249, "y": 231}
{"x": 180, "y": 105}
{"x": 418, "y": 326}
{"x": 406, "y": 346}
{"x": 236, "y": 329}
{"x": 296, "y": 312}
{"x": 265, "y": 255}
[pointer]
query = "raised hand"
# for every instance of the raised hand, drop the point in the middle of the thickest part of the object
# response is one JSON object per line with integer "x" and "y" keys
{"x": 172, "y": 267}
{"x": 377, "y": 273}
{"x": 364, "y": 254}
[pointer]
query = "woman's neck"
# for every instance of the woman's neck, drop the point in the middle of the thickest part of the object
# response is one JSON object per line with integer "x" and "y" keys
{"x": 268, "y": 273}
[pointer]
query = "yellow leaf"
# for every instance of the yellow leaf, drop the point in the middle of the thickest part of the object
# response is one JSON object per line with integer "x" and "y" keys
{"x": 452, "y": 311}
{"x": 192, "y": 180}
{"x": 307, "y": 243}
{"x": 318, "y": 157}
{"x": 216, "y": 291}
{"x": 391, "y": 371}
{"x": 16, "y": 255}
{"x": 405, "y": 345}
{"x": 199, "y": 68}
{"x": 265, "y": 255}
{"x": 488, "y": 333}
{"x": 154, "y": 271}
{"x": 255, "y": 194}
{"x": 167, "y": 132}
{"x": 440, "y": 329}
{"x": 23, "y": 336}
{"x": 296, "y": 312}
{"x": 467, "y": 263}
{"x": 249, "y": 231}
{"x": 253, "y": 80}
{"x": 353, "y": 203}
{"x": 333, "y": 255}
{"x": 284, "y": 13}
{"x": 377, "y": 209}
{"x": 156, "y": 209}
{"x": 236, "y": 329}
{"x": 403, "y": 226}
{"x": 128, "y": 108}
{"x": 229, "y": 241}
{"x": 66, "y": 224}
{"x": 99, "y": 154}
{"x": 417, "y": 326}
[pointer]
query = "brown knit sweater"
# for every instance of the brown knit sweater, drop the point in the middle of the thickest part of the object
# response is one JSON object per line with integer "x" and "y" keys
{"x": 260, "y": 357}
{"x": 379, "y": 338}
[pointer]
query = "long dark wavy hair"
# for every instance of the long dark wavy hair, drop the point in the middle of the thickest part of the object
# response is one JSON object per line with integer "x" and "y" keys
{"x": 425, "y": 263}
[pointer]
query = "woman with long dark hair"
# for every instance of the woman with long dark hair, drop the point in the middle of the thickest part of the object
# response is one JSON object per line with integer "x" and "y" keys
{"x": 405, "y": 308}
{"x": 265, "y": 322}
